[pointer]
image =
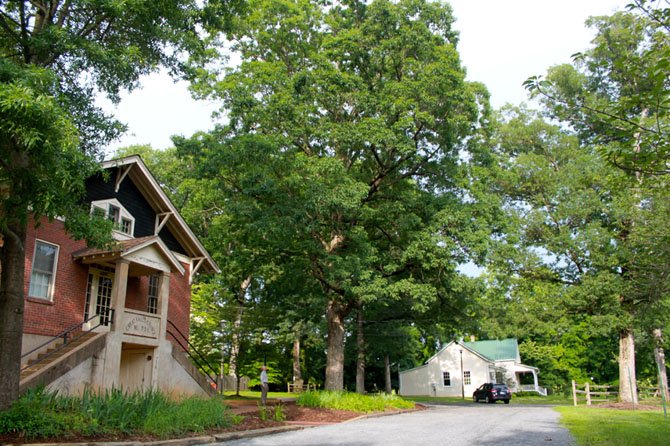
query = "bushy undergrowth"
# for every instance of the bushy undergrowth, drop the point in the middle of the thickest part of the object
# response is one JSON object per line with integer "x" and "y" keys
{"x": 353, "y": 401}
{"x": 41, "y": 414}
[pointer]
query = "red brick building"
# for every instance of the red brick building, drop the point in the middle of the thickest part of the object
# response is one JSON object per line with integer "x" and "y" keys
{"x": 119, "y": 316}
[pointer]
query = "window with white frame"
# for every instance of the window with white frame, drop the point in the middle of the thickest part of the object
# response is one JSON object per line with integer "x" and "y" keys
{"x": 446, "y": 379}
{"x": 152, "y": 302}
{"x": 113, "y": 210}
{"x": 466, "y": 378}
{"x": 43, "y": 274}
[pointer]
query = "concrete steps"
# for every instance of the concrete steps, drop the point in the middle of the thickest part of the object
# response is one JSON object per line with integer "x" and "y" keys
{"x": 58, "y": 360}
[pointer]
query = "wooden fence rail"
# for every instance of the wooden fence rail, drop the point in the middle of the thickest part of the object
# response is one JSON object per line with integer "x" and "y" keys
{"x": 598, "y": 393}
{"x": 592, "y": 392}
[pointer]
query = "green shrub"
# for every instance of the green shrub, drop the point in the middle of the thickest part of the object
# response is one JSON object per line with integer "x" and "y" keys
{"x": 353, "y": 401}
{"x": 41, "y": 414}
{"x": 189, "y": 415}
{"x": 262, "y": 412}
{"x": 279, "y": 413}
{"x": 33, "y": 415}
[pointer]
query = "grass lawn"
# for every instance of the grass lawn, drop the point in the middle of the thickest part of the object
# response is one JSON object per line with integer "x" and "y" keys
{"x": 611, "y": 427}
{"x": 252, "y": 395}
{"x": 526, "y": 399}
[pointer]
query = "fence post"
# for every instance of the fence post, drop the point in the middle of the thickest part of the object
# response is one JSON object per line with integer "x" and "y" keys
{"x": 574, "y": 392}
{"x": 588, "y": 394}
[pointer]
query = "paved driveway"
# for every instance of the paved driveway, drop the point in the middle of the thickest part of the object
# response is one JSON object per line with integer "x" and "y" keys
{"x": 471, "y": 424}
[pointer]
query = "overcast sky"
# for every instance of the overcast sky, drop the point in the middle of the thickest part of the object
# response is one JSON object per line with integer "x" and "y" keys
{"x": 502, "y": 43}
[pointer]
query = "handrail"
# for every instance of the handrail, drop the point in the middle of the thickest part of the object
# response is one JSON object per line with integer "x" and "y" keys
{"x": 109, "y": 318}
{"x": 188, "y": 350}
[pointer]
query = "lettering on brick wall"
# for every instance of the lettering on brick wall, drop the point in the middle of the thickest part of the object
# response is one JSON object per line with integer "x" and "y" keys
{"x": 141, "y": 326}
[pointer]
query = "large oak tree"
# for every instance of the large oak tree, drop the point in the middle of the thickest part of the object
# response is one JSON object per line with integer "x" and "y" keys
{"x": 351, "y": 123}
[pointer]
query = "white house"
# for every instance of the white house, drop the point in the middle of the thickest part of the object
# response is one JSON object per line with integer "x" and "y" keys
{"x": 461, "y": 367}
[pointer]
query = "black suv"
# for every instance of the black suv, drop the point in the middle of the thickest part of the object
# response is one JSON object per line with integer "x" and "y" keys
{"x": 491, "y": 393}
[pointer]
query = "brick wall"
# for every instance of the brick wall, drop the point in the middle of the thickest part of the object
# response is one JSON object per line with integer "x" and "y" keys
{"x": 137, "y": 293}
{"x": 43, "y": 317}
{"x": 180, "y": 301}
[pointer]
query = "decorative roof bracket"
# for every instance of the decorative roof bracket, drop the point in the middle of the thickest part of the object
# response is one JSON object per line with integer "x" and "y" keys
{"x": 196, "y": 267}
{"x": 161, "y": 219}
{"x": 121, "y": 174}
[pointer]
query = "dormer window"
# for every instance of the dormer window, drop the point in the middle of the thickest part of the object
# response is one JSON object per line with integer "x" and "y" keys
{"x": 113, "y": 210}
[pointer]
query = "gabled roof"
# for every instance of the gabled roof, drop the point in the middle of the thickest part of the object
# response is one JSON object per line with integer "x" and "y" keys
{"x": 491, "y": 351}
{"x": 134, "y": 168}
{"x": 455, "y": 343}
{"x": 127, "y": 247}
{"x": 496, "y": 350}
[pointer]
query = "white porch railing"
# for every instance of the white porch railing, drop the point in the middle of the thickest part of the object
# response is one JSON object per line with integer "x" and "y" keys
{"x": 531, "y": 388}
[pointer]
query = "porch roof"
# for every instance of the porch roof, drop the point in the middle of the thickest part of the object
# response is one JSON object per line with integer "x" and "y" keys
{"x": 518, "y": 367}
{"x": 496, "y": 350}
{"x": 126, "y": 248}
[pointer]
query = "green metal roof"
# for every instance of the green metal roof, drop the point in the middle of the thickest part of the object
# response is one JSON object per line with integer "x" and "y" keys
{"x": 495, "y": 350}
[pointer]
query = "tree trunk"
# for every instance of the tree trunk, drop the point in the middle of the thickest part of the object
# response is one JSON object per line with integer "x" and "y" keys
{"x": 387, "y": 375}
{"x": 297, "y": 374}
{"x": 12, "y": 267}
{"x": 360, "y": 355}
{"x": 235, "y": 341}
{"x": 627, "y": 378}
{"x": 335, "y": 315}
{"x": 659, "y": 355}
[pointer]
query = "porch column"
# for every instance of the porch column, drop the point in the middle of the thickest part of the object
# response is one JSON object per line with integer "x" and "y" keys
{"x": 537, "y": 384}
{"x": 163, "y": 300}
{"x": 107, "y": 376}
{"x": 119, "y": 289}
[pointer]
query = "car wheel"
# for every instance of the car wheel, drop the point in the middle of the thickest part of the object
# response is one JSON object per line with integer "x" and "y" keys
{"x": 474, "y": 399}
{"x": 506, "y": 401}
{"x": 489, "y": 400}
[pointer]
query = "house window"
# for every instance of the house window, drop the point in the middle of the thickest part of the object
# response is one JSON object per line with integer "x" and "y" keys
{"x": 152, "y": 303}
{"x": 466, "y": 378}
{"x": 114, "y": 211}
{"x": 43, "y": 274}
{"x": 126, "y": 225}
{"x": 446, "y": 378}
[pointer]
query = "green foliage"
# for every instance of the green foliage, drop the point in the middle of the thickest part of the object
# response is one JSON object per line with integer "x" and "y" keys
{"x": 615, "y": 94}
{"x": 275, "y": 412}
{"x": 263, "y": 412}
{"x": 41, "y": 414}
{"x": 354, "y": 402}
{"x": 38, "y": 139}
{"x": 610, "y": 427}
{"x": 574, "y": 267}
{"x": 279, "y": 413}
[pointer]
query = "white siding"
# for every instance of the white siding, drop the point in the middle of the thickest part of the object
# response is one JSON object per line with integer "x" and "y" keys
{"x": 427, "y": 379}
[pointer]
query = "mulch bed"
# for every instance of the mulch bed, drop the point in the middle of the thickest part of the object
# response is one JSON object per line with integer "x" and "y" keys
{"x": 251, "y": 420}
{"x": 626, "y": 406}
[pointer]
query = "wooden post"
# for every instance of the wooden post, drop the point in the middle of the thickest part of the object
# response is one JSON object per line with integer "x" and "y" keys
{"x": 574, "y": 392}
{"x": 659, "y": 355}
{"x": 588, "y": 394}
